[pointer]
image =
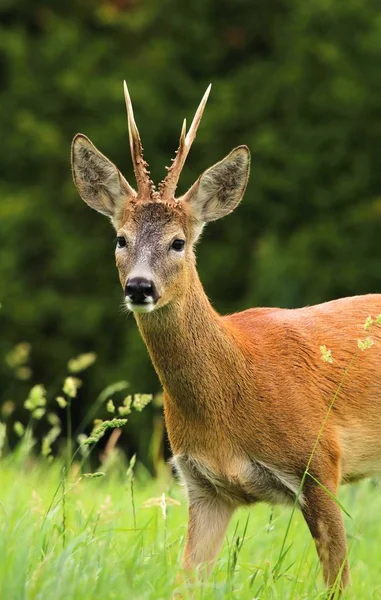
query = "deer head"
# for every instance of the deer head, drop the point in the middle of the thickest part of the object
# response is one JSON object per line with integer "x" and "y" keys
{"x": 156, "y": 232}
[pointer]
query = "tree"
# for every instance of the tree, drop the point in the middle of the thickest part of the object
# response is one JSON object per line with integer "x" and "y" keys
{"x": 298, "y": 82}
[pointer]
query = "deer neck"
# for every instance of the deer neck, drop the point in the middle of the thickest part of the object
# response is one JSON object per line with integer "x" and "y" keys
{"x": 192, "y": 349}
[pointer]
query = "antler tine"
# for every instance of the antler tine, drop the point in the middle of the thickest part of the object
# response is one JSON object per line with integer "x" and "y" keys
{"x": 183, "y": 134}
{"x": 145, "y": 185}
{"x": 168, "y": 186}
{"x": 198, "y": 116}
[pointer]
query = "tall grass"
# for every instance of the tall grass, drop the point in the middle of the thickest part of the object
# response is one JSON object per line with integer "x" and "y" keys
{"x": 113, "y": 532}
{"x": 90, "y": 541}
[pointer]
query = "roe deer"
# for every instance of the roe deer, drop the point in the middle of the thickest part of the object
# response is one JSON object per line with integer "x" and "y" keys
{"x": 246, "y": 396}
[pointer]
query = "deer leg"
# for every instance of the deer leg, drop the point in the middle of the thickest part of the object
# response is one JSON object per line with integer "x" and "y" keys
{"x": 325, "y": 522}
{"x": 208, "y": 521}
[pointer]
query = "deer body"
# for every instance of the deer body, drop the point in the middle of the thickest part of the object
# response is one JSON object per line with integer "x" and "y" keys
{"x": 245, "y": 399}
{"x": 249, "y": 403}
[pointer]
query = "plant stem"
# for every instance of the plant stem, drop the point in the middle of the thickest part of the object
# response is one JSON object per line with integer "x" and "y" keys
{"x": 69, "y": 445}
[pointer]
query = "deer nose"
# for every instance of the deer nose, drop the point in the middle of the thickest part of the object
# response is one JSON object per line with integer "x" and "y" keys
{"x": 140, "y": 290}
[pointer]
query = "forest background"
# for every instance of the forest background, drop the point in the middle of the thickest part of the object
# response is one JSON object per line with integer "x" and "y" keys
{"x": 298, "y": 82}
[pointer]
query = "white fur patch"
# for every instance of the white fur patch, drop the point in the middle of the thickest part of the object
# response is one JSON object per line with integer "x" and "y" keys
{"x": 249, "y": 481}
{"x": 147, "y": 307}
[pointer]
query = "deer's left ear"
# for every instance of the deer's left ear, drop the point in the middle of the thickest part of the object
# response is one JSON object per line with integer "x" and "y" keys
{"x": 220, "y": 189}
{"x": 99, "y": 182}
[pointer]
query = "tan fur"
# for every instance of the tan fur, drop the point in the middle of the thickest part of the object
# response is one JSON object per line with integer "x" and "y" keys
{"x": 254, "y": 385}
{"x": 245, "y": 395}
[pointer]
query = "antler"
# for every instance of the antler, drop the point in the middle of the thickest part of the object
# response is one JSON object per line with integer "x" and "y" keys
{"x": 168, "y": 186}
{"x": 146, "y": 187}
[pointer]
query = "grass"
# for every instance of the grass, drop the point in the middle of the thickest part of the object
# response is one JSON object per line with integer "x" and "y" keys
{"x": 88, "y": 540}
{"x": 119, "y": 534}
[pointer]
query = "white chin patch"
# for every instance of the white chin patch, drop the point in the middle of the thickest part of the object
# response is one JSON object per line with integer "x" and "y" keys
{"x": 140, "y": 308}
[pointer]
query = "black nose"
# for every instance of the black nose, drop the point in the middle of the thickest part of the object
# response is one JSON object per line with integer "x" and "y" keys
{"x": 139, "y": 289}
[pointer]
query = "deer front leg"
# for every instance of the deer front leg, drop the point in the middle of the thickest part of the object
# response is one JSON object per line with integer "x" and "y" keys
{"x": 208, "y": 520}
{"x": 325, "y": 522}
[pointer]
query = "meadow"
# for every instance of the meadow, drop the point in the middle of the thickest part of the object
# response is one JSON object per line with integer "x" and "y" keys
{"x": 80, "y": 521}
{"x": 117, "y": 533}
{"x": 111, "y": 537}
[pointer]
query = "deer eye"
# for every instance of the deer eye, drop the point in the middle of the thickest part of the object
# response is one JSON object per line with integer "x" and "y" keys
{"x": 178, "y": 245}
{"x": 121, "y": 241}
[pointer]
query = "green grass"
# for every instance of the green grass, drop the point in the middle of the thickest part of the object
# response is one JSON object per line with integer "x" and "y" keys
{"x": 83, "y": 543}
{"x": 69, "y": 536}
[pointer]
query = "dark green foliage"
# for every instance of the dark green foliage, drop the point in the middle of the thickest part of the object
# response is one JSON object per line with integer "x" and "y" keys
{"x": 299, "y": 82}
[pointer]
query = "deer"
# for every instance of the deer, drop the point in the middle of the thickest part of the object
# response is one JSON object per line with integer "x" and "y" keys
{"x": 248, "y": 400}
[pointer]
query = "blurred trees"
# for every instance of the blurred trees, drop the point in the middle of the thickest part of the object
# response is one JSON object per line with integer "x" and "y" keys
{"x": 297, "y": 81}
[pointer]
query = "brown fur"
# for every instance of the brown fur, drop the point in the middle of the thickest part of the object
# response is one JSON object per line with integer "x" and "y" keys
{"x": 253, "y": 385}
{"x": 245, "y": 395}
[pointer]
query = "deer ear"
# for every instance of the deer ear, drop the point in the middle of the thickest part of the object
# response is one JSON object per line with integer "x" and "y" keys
{"x": 99, "y": 182}
{"x": 220, "y": 189}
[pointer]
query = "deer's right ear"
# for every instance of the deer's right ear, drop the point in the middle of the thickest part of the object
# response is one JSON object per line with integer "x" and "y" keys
{"x": 99, "y": 182}
{"x": 219, "y": 189}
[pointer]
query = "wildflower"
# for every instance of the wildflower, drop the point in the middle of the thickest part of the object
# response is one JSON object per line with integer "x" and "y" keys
{"x": 23, "y": 373}
{"x": 49, "y": 439}
{"x": 378, "y": 320}
{"x": 81, "y": 362}
{"x": 38, "y": 413}
{"x": 162, "y": 501}
{"x": 71, "y": 385}
{"x": 326, "y": 355}
{"x": 99, "y": 431}
{"x": 130, "y": 470}
{"x": 125, "y": 409}
{"x": 163, "y": 506}
{"x": 61, "y": 401}
{"x": 8, "y": 408}
{"x": 368, "y": 323}
{"x": 36, "y": 398}
{"x": 53, "y": 419}
{"x": 97, "y": 423}
{"x": 18, "y": 355}
{"x": 83, "y": 449}
{"x": 365, "y": 344}
{"x": 141, "y": 401}
{"x": 82, "y": 437}
{"x": 18, "y": 428}
{"x": 110, "y": 406}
